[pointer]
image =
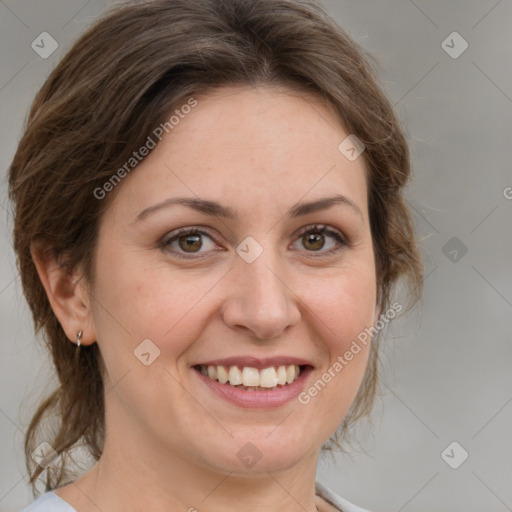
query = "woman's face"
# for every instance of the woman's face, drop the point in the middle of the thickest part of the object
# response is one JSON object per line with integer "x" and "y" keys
{"x": 257, "y": 285}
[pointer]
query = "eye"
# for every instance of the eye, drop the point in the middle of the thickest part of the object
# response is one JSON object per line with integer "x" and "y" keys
{"x": 187, "y": 241}
{"x": 315, "y": 238}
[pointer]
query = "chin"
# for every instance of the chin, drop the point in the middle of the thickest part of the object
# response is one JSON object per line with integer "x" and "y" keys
{"x": 252, "y": 454}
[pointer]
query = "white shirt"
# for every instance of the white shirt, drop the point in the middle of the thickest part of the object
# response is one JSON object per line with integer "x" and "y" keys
{"x": 50, "y": 502}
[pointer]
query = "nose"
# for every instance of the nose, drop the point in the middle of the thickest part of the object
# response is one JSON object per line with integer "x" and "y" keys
{"x": 259, "y": 298}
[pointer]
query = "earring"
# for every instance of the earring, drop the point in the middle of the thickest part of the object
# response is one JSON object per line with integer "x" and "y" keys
{"x": 78, "y": 338}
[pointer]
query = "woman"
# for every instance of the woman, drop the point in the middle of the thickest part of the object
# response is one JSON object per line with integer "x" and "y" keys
{"x": 209, "y": 224}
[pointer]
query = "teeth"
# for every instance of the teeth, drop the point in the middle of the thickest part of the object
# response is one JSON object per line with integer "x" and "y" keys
{"x": 281, "y": 375}
{"x": 268, "y": 378}
{"x": 250, "y": 378}
{"x": 235, "y": 376}
{"x": 211, "y": 372}
{"x": 222, "y": 375}
{"x": 290, "y": 373}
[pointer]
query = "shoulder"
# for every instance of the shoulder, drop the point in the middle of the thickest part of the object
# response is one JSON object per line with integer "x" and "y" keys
{"x": 49, "y": 502}
{"x": 336, "y": 500}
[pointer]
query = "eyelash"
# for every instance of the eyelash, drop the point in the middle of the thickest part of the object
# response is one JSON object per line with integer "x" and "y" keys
{"x": 318, "y": 229}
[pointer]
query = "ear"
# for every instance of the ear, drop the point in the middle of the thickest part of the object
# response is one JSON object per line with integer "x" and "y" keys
{"x": 67, "y": 293}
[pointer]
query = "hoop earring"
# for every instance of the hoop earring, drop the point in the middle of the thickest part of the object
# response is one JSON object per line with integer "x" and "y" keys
{"x": 78, "y": 338}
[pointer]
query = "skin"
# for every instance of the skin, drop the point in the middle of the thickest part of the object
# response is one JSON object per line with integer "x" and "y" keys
{"x": 171, "y": 443}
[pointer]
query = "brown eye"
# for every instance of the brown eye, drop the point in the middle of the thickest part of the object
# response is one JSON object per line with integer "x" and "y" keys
{"x": 313, "y": 241}
{"x": 321, "y": 239}
{"x": 190, "y": 243}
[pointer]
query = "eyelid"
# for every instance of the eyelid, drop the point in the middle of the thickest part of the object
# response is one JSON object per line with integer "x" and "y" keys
{"x": 186, "y": 231}
{"x": 322, "y": 228}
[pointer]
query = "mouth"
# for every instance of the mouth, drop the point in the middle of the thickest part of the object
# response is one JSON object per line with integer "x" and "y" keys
{"x": 250, "y": 378}
{"x": 250, "y": 382}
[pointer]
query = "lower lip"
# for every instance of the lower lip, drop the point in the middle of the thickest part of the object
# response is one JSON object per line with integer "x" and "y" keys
{"x": 262, "y": 399}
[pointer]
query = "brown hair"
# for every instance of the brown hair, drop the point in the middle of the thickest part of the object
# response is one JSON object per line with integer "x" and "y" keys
{"x": 118, "y": 82}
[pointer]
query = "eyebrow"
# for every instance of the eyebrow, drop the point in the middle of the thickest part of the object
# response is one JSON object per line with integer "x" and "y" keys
{"x": 214, "y": 208}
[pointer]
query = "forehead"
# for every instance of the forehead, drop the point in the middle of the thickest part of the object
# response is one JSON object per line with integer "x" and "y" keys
{"x": 246, "y": 144}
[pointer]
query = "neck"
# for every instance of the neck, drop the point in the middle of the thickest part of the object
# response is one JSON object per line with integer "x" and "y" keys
{"x": 133, "y": 476}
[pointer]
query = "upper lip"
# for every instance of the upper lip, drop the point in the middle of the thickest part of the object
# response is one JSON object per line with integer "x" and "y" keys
{"x": 256, "y": 362}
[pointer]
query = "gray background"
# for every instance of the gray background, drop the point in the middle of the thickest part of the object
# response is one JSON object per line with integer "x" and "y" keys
{"x": 447, "y": 373}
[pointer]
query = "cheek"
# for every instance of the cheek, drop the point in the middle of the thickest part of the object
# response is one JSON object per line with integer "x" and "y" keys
{"x": 344, "y": 306}
{"x": 344, "y": 309}
{"x": 137, "y": 301}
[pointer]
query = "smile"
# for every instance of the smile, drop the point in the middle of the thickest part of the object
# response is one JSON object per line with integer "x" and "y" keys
{"x": 252, "y": 379}
{"x": 255, "y": 383}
